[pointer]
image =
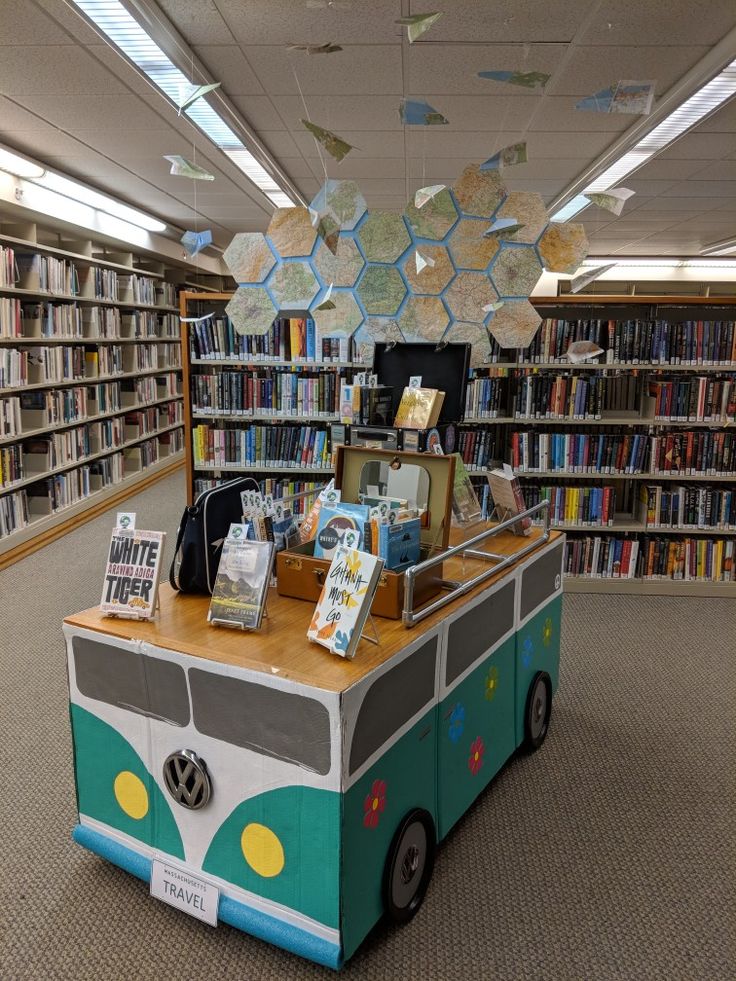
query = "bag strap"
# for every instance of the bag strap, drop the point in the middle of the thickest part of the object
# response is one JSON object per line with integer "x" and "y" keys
{"x": 173, "y": 577}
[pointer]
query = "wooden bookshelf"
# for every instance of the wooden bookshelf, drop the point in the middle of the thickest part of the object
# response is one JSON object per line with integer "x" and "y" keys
{"x": 35, "y": 279}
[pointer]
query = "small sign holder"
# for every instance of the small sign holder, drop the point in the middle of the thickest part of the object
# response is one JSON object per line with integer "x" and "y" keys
{"x": 371, "y": 639}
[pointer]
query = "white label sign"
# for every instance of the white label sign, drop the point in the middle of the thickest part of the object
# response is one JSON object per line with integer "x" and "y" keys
{"x": 185, "y": 892}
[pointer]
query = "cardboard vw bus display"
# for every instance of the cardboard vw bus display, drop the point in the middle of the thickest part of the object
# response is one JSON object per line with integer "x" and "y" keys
{"x": 258, "y": 781}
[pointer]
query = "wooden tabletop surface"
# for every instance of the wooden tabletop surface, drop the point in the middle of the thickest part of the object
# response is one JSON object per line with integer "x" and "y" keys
{"x": 281, "y": 646}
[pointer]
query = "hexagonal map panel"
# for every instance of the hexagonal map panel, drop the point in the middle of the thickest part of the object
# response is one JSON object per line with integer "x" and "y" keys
{"x": 432, "y": 279}
{"x": 528, "y": 209}
{"x": 341, "y": 269}
{"x": 468, "y": 248}
{"x": 434, "y": 219}
{"x": 479, "y": 192}
{"x": 474, "y": 334}
{"x": 372, "y": 331}
{"x": 468, "y": 294}
{"x": 293, "y": 285}
{"x": 343, "y": 320}
{"x": 342, "y": 200}
{"x": 249, "y": 258}
{"x": 251, "y": 310}
{"x": 515, "y": 324}
{"x": 424, "y": 318}
{"x": 292, "y": 232}
{"x": 381, "y": 290}
{"x": 516, "y": 270}
{"x": 383, "y": 236}
{"x": 563, "y": 247}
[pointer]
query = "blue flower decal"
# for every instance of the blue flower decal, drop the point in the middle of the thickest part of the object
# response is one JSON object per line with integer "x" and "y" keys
{"x": 457, "y": 722}
{"x": 342, "y": 640}
{"x": 527, "y": 651}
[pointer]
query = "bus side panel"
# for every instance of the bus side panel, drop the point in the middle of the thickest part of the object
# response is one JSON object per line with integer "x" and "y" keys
{"x": 539, "y": 616}
{"x": 476, "y": 714}
{"x": 389, "y": 770}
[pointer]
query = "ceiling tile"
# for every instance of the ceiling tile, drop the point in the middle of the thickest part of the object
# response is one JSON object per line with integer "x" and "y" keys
{"x": 559, "y": 114}
{"x": 362, "y": 69}
{"x": 255, "y": 22}
{"x": 453, "y": 68}
{"x": 198, "y": 20}
{"x": 591, "y": 69}
{"x": 55, "y": 70}
{"x": 675, "y": 20}
{"x": 226, "y": 64}
{"x": 21, "y": 18}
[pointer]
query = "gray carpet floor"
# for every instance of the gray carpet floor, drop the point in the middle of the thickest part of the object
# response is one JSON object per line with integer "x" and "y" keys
{"x": 609, "y": 854}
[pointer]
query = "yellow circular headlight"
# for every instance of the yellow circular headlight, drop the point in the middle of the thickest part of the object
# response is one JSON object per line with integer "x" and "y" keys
{"x": 131, "y": 794}
{"x": 262, "y": 850}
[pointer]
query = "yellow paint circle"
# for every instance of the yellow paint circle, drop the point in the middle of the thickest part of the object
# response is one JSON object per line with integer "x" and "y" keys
{"x": 131, "y": 794}
{"x": 262, "y": 850}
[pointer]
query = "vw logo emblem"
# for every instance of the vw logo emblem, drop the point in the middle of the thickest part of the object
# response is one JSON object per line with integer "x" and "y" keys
{"x": 187, "y": 779}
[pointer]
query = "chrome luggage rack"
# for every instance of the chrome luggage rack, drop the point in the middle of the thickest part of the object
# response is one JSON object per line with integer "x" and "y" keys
{"x": 469, "y": 549}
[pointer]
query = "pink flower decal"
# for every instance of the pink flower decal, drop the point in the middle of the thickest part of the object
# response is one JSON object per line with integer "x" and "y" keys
{"x": 475, "y": 760}
{"x": 374, "y": 803}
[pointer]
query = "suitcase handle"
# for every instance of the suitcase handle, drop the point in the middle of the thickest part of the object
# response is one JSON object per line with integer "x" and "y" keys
{"x": 320, "y": 574}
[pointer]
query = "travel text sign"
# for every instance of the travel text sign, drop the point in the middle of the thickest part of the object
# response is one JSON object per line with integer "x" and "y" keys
{"x": 183, "y": 891}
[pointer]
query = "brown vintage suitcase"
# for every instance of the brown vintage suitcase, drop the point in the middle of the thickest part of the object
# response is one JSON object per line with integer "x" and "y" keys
{"x": 300, "y": 575}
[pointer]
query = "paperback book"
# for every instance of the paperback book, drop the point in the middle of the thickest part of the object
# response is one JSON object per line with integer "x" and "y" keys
{"x": 508, "y": 498}
{"x": 345, "y": 601}
{"x": 341, "y": 524}
{"x": 243, "y": 575}
{"x": 132, "y": 573}
{"x": 419, "y": 408}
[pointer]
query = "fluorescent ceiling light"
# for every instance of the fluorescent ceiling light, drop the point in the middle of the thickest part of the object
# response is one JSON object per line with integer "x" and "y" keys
{"x": 111, "y": 17}
{"x": 668, "y": 263}
{"x": 720, "y": 248}
{"x": 19, "y": 166}
{"x": 101, "y": 202}
{"x": 703, "y": 102}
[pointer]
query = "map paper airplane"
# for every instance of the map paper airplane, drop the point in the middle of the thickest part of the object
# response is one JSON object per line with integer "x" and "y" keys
{"x": 510, "y": 155}
{"x": 195, "y": 92}
{"x": 502, "y": 226}
{"x": 314, "y": 49}
{"x": 335, "y": 146}
{"x": 194, "y": 242}
{"x": 181, "y": 167}
{"x": 583, "y": 278}
{"x": 529, "y": 80}
{"x": 417, "y": 24}
{"x": 582, "y": 350}
{"x": 422, "y": 261}
{"x": 196, "y": 320}
{"x": 492, "y": 307}
{"x": 327, "y": 303}
{"x": 425, "y": 194}
{"x": 627, "y": 96}
{"x": 613, "y": 200}
{"x": 416, "y": 113}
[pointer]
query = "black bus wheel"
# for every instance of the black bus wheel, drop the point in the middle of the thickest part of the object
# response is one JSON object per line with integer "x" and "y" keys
{"x": 409, "y": 866}
{"x": 538, "y": 711}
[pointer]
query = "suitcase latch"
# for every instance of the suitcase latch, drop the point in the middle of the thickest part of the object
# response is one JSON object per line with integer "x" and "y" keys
{"x": 292, "y": 563}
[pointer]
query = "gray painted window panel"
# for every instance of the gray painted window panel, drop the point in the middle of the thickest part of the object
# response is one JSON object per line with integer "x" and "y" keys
{"x": 275, "y": 723}
{"x": 131, "y": 680}
{"x": 392, "y": 700}
{"x": 540, "y": 580}
{"x": 475, "y": 632}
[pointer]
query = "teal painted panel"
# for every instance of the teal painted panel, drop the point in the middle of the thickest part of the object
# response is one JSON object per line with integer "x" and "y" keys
{"x": 537, "y": 649}
{"x": 115, "y": 787}
{"x": 284, "y": 845}
{"x": 402, "y": 779}
{"x": 476, "y": 733}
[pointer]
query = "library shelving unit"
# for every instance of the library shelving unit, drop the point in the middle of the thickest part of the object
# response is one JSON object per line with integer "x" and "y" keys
{"x": 257, "y": 405}
{"x": 90, "y": 382}
{"x": 636, "y": 449}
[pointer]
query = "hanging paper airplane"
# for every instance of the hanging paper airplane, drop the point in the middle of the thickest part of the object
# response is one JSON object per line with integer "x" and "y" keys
{"x": 194, "y": 242}
{"x": 508, "y": 157}
{"x": 582, "y": 350}
{"x": 181, "y": 167}
{"x": 627, "y": 96}
{"x": 196, "y": 320}
{"x": 613, "y": 200}
{"x": 314, "y": 49}
{"x": 422, "y": 261}
{"x": 502, "y": 226}
{"x": 492, "y": 307}
{"x": 425, "y": 194}
{"x": 417, "y": 24}
{"x": 583, "y": 278}
{"x": 335, "y": 146}
{"x": 416, "y": 113}
{"x": 530, "y": 80}
{"x": 193, "y": 92}
{"x": 327, "y": 303}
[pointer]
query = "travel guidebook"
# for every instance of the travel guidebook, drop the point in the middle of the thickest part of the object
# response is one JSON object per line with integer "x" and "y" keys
{"x": 345, "y": 601}
{"x": 132, "y": 573}
{"x": 243, "y": 575}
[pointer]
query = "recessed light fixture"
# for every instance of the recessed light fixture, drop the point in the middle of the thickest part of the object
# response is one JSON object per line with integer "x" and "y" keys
{"x": 124, "y": 31}
{"x": 700, "y": 104}
{"x": 663, "y": 263}
{"x": 720, "y": 248}
{"x": 19, "y": 166}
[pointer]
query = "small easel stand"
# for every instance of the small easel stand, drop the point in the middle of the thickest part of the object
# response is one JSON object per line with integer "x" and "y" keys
{"x": 364, "y": 636}
{"x": 505, "y": 514}
{"x": 137, "y": 616}
{"x": 241, "y": 626}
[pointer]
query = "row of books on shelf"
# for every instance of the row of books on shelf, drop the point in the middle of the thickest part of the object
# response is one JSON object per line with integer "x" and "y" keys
{"x": 479, "y": 447}
{"x": 41, "y": 365}
{"x": 680, "y": 506}
{"x": 8, "y": 267}
{"x": 693, "y": 453}
{"x": 651, "y": 557}
{"x": 269, "y": 390}
{"x": 61, "y": 320}
{"x": 289, "y": 339}
{"x": 40, "y": 408}
{"x": 574, "y": 396}
{"x": 585, "y": 506}
{"x": 694, "y": 398}
{"x": 299, "y": 495}
{"x": 50, "y": 495}
{"x": 44, "y": 273}
{"x": 650, "y": 341}
{"x": 261, "y": 446}
{"x": 36, "y": 455}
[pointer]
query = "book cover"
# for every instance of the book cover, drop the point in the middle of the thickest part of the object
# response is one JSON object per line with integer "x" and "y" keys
{"x": 341, "y": 524}
{"x": 399, "y": 544}
{"x": 132, "y": 573}
{"x": 243, "y": 575}
{"x": 345, "y": 601}
{"x": 508, "y": 498}
{"x": 419, "y": 408}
